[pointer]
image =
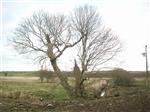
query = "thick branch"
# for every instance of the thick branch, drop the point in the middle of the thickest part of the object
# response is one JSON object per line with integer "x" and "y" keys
{"x": 68, "y": 46}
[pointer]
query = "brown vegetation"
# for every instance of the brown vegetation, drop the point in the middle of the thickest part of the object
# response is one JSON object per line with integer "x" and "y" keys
{"x": 121, "y": 78}
{"x": 45, "y": 74}
{"x": 136, "y": 103}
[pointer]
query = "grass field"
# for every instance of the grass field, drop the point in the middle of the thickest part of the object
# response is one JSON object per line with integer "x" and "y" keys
{"x": 29, "y": 83}
{"x": 37, "y": 90}
{"x": 23, "y": 92}
{"x": 101, "y": 74}
{"x": 19, "y": 73}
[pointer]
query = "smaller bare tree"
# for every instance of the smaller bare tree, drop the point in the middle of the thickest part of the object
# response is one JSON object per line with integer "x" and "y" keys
{"x": 45, "y": 74}
{"x": 99, "y": 44}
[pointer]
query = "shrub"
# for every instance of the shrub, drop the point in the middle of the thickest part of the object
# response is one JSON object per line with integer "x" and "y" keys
{"x": 5, "y": 73}
{"x": 45, "y": 74}
{"x": 121, "y": 78}
{"x": 144, "y": 100}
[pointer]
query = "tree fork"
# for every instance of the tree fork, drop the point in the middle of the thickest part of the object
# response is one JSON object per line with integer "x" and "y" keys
{"x": 63, "y": 79}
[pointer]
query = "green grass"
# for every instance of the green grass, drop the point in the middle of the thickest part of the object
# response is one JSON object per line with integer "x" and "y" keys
{"x": 45, "y": 91}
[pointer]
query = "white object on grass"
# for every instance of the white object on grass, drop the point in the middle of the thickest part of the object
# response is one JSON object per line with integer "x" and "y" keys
{"x": 103, "y": 93}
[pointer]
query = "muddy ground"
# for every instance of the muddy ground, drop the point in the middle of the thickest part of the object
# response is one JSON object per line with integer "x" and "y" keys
{"x": 112, "y": 104}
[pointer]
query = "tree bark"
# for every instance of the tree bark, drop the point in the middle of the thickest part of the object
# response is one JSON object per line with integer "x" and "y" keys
{"x": 79, "y": 81}
{"x": 63, "y": 79}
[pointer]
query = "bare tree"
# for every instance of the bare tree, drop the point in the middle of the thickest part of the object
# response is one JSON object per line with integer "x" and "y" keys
{"x": 99, "y": 45}
{"x": 48, "y": 36}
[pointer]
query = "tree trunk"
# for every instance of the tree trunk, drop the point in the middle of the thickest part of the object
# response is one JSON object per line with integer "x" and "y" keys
{"x": 63, "y": 79}
{"x": 79, "y": 81}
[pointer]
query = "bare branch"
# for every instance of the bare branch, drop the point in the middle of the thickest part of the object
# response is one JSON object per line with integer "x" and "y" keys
{"x": 69, "y": 45}
{"x": 99, "y": 45}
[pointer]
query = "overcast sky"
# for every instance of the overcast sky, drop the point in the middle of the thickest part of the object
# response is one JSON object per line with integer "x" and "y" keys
{"x": 129, "y": 19}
